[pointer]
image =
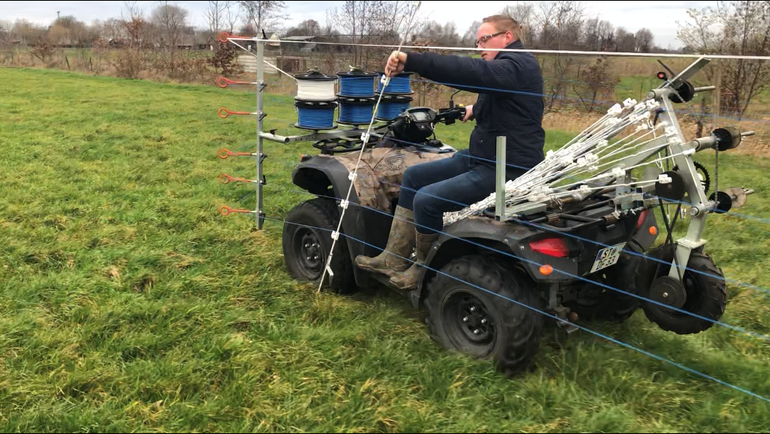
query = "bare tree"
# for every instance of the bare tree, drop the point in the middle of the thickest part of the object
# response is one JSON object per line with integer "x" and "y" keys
{"x": 130, "y": 61}
{"x": 591, "y": 36}
{"x": 305, "y": 28}
{"x": 739, "y": 28}
{"x": 6, "y": 36}
{"x": 28, "y": 32}
{"x": 595, "y": 83}
{"x": 560, "y": 27}
{"x": 264, "y": 14}
{"x": 606, "y": 35}
{"x": 112, "y": 29}
{"x": 381, "y": 22}
{"x": 215, "y": 15}
{"x": 524, "y": 14}
{"x": 232, "y": 15}
{"x": 644, "y": 40}
{"x": 624, "y": 41}
{"x": 171, "y": 20}
{"x": 68, "y": 30}
{"x": 470, "y": 34}
{"x": 435, "y": 33}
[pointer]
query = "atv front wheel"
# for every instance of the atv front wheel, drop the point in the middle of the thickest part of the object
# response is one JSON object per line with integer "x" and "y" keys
{"x": 307, "y": 242}
{"x": 465, "y": 318}
{"x": 704, "y": 290}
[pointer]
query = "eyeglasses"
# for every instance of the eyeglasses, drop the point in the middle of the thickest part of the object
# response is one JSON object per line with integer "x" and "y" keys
{"x": 484, "y": 39}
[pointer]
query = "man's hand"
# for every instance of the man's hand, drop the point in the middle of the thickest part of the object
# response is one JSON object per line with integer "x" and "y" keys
{"x": 395, "y": 64}
{"x": 468, "y": 113}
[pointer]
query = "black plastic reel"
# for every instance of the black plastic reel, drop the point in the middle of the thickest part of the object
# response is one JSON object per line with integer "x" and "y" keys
{"x": 673, "y": 190}
{"x": 723, "y": 200}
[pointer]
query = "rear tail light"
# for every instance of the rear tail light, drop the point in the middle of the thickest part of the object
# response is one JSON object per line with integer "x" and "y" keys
{"x": 555, "y": 247}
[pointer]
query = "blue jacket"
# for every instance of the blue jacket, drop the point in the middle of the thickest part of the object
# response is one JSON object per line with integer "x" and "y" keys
{"x": 510, "y": 101}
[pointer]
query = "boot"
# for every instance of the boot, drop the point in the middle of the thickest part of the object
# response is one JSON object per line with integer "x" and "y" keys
{"x": 400, "y": 242}
{"x": 407, "y": 280}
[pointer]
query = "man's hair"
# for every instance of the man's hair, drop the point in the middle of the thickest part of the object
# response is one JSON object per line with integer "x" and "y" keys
{"x": 504, "y": 23}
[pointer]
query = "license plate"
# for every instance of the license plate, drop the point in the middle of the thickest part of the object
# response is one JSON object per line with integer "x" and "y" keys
{"x": 607, "y": 257}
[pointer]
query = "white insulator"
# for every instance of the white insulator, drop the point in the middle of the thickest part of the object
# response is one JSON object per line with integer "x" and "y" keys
{"x": 587, "y": 160}
{"x": 652, "y": 104}
{"x": 614, "y": 110}
{"x": 315, "y": 90}
{"x": 618, "y": 172}
{"x": 629, "y": 103}
{"x": 537, "y": 197}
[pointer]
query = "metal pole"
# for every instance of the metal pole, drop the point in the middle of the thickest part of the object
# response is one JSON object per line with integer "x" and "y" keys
{"x": 260, "y": 88}
{"x": 500, "y": 179}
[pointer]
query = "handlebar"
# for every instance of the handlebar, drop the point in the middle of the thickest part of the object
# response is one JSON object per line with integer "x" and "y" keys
{"x": 450, "y": 115}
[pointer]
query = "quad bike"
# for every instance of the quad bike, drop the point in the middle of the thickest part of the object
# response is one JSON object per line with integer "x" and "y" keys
{"x": 558, "y": 251}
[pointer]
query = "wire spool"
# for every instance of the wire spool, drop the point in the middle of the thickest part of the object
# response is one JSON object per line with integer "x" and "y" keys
{"x": 314, "y": 86}
{"x": 315, "y": 115}
{"x": 355, "y": 111}
{"x": 399, "y": 84}
{"x": 356, "y": 83}
{"x": 392, "y": 105}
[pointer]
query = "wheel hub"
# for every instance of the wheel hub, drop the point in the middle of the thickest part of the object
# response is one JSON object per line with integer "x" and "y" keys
{"x": 474, "y": 320}
{"x": 310, "y": 252}
{"x": 668, "y": 291}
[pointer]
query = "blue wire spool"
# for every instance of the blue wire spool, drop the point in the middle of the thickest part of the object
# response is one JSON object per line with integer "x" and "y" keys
{"x": 356, "y": 83}
{"x": 315, "y": 115}
{"x": 355, "y": 111}
{"x": 399, "y": 84}
{"x": 391, "y": 106}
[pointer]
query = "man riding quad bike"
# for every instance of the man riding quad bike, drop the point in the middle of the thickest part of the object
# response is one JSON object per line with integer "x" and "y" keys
{"x": 570, "y": 250}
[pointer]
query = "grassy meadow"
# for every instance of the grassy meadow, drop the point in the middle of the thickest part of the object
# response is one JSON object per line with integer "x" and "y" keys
{"x": 128, "y": 303}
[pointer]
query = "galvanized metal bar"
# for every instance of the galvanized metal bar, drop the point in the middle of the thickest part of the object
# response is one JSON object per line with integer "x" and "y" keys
{"x": 500, "y": 179}
{"x": 260, "y": 87}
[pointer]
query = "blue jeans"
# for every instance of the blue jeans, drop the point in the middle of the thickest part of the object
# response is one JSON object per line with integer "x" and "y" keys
{"x": 433, "y": 188}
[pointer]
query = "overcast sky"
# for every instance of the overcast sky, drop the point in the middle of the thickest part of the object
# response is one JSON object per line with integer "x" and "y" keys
{"x": 659, "y": 16}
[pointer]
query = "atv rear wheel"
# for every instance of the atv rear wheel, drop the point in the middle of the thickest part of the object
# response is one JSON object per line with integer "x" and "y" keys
{"x": 307, "y": 242}
{"x": 465, "y": 318}
{"x": 705, "y": 291}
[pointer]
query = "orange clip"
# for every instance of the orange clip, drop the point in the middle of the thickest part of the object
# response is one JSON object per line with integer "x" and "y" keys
{"x": 224, "y": 82}
{"x": 224, "y": 36}
{"x": 225, "y": 179}
{"x": 224, "y": 153}
{"x": 223, "y": 113}
{"x": 226, "y": 210}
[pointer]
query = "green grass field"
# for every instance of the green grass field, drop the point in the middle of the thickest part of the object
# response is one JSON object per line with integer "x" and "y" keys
{"x": 127, "y": 303}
